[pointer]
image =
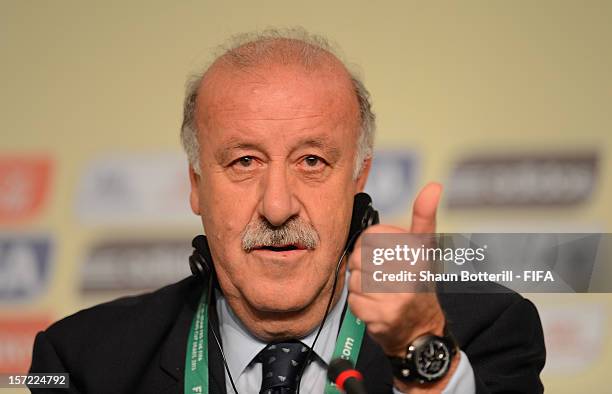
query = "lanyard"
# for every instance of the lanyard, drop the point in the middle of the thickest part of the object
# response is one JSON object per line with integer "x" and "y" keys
{"x": 196, "y": 361}
{"x": 347, "y": 347}
{"x": 348, "y": 343}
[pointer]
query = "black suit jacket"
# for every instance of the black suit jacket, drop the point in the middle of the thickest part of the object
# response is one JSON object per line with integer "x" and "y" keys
{"x": 138, "y": 344}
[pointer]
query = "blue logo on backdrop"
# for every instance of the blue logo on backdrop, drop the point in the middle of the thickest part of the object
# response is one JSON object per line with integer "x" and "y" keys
{"x": 24, "y": 267}
{"x": 391, "y": 182}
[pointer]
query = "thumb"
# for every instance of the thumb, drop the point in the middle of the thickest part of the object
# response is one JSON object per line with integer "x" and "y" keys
{"x": 425, "y": 207}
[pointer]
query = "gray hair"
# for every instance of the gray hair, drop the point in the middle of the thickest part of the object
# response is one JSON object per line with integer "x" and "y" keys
{"x": 248, "y": 49}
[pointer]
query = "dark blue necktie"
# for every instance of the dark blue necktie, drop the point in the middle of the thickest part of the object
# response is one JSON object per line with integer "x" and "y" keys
{"x": 281, "y": 364}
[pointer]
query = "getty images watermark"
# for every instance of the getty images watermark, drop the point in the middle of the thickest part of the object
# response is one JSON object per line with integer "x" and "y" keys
{"x": 460, "y": 263}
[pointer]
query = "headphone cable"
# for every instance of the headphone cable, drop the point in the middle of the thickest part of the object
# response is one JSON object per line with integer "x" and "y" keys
{"x": 328, "y": 308}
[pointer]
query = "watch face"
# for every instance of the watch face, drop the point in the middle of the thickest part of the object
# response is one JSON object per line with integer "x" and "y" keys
{"x": 432, "y": 359}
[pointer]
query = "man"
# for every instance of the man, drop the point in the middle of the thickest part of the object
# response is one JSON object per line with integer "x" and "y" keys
{"x": 279, "y": 138}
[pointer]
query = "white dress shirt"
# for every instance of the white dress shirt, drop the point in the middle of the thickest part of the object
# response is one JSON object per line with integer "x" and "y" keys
{"x": 240, "y": 348}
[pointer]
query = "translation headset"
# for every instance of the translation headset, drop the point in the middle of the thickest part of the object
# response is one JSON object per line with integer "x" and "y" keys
{"x": 201, "y": 264}
{"x": 363, "y": 216}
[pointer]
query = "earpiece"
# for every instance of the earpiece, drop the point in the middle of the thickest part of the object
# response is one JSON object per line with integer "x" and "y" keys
{"x": 200, "y": 260}
{"x": 364, "y": 215}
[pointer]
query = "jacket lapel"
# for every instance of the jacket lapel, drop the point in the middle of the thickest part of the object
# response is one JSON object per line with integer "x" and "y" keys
{"x": 375, "y": 367}
{"x": 174, "y": 349}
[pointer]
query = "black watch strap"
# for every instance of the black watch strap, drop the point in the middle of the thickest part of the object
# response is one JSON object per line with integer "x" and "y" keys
{"x": 428, "y": 359}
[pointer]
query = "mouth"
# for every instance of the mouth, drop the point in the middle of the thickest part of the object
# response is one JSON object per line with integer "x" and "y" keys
{"x": 280, "y": 248}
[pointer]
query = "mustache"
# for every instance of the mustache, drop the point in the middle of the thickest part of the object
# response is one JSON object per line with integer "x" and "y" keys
{"x": 295, "y": 231}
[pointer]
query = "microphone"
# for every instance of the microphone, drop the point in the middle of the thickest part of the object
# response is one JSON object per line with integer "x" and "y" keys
{"x": 345, "y": 376}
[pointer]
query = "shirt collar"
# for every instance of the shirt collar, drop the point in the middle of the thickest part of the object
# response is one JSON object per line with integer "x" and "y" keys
{"x": 240, "y": 346}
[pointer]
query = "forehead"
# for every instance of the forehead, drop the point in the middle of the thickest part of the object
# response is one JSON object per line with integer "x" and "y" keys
{"x": 263, "y": 96}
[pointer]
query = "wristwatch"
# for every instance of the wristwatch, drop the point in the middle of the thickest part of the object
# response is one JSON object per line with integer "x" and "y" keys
{"x": 428, "y": 359}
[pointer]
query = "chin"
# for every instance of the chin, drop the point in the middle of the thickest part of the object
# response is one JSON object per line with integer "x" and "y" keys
{"x": 281, "y": 298}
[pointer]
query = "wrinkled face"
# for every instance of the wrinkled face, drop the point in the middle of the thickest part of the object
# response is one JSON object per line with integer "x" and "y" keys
{"x": 277, "y": 151}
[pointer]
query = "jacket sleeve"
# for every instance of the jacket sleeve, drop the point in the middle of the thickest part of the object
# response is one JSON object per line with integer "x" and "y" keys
{"x": 510, "y": 354}
{"x": 45, "y": 359}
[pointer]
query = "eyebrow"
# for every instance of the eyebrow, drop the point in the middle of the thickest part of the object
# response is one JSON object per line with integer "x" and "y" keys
{"x": 223, "y": 155}
{"x": 321, "y": 143}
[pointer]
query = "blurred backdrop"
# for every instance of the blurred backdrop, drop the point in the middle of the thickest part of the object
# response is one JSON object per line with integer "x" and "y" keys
{"x": 508, "y": 104}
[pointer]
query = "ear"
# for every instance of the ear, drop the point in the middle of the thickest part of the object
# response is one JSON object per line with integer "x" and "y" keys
{"x": 360, "y": 182}
{"x": 194, "y": 196}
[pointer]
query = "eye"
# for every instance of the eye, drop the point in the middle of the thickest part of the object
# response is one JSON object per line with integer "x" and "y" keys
{"x": 244, "y": 164}
{"x": 312, "y": 164}
{"x": 245, "y": 161}
{"x": 312, "y": 161}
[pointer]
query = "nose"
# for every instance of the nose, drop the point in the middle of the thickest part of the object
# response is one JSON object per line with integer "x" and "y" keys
{"x": 278, "y": 203}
